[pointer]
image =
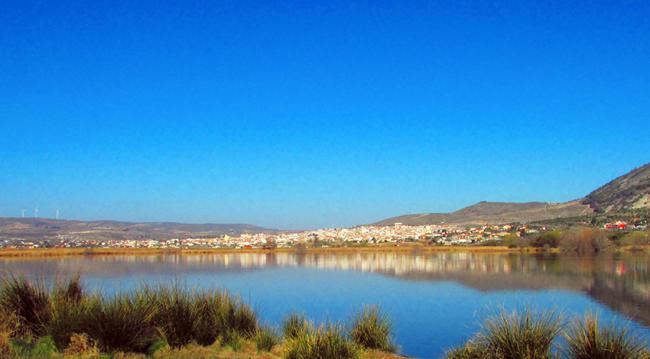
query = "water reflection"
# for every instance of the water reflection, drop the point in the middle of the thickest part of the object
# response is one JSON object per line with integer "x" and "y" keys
{"x": 621, "y": 282}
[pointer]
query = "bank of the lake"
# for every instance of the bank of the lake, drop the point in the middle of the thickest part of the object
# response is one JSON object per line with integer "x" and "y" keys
{"x": 58, "y": 252}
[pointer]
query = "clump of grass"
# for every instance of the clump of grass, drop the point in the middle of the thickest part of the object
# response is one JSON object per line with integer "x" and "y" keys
{"x": 123, "y": 323}
{"x": 513, "y": 335}
{"x": 210, "y": 325}
{"x": 470, "y": 351}
{"x": 220, "y": 315}
{"x": 372, "y": 330}
{"x": 243, "y": 320}
{"x": 266, "y": 338}
{"x": 72, "y": 289}
{"x": 8, "y": 326}
{"x": 323, "y": 343}
{"x": 586, "y": 339}
{"x": 232, "y": 339}
{"x": 29, "y": 302}
{"x": 295, "y": 325}
{"x": 67, "y": 317}
{"x": 176, "y": 312}
{"x": 69, "y": 309}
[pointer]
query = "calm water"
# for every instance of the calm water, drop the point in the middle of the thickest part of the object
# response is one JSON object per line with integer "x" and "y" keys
{"x": 436, "y": 301}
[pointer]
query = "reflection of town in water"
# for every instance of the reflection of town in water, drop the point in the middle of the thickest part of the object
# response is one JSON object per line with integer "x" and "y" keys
{"x": 622, "y": 282}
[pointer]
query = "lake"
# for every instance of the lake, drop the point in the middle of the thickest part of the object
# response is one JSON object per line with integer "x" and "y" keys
{"x": 435, "y": 300}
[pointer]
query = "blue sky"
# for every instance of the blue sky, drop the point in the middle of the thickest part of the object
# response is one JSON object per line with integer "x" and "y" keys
{"x": 315, "y": 114}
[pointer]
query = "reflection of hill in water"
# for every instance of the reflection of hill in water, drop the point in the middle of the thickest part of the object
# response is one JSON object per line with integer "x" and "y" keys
{"x": 622, "y": 283}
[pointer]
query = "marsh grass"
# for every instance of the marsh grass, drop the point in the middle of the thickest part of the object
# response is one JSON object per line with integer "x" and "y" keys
{"x": 8, "y": 326}
{"x": 266, "y": 338}
{"x": 122, "y": 323}
{"x": 28, "y": 301}
{"x": 513, "y": 335}
{"x": 587, "y": 339}
{"x": 371, "y": 329}
{"x": 326, "y": 342}
{"x": 295, "y": 325}
{"x": 176, "y": 312}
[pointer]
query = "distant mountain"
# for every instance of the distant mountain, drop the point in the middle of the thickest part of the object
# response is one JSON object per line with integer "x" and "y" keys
{"x": 627, "y": 192}
{"x": 40, "y": 228}
{"x": 630, "y": 191}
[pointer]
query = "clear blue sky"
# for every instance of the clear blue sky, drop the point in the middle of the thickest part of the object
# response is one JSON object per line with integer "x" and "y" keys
{"x": 306, "y": 114}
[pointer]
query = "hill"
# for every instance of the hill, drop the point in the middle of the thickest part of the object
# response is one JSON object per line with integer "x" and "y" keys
{"x": 628, "y": 192}
{"x": 39, "y": 228}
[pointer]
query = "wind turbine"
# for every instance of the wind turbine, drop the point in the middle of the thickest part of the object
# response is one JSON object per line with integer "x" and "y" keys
{"x": 57, "y": 214}
{"x": 35, "y": 212}
{"x": 22, "y": 213}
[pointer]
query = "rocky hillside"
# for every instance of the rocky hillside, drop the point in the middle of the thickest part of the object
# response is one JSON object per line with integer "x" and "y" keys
{"x": 496, "y": 212}
{"x": 630, "y": 191}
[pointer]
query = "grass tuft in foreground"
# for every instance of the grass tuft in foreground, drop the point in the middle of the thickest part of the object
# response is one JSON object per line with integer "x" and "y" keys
{"x": 28, "y": 302}
{"x": 267, "y": 338}
{"x": 511, "y": 336}
{"x": 586, "y": 339}
{"x": 371, "y": 329}
{"x": 325, "y": 342}
{"x": 295, "y": 325}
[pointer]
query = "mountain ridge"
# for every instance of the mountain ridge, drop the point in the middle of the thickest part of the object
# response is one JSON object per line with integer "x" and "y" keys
{"x": 629, "y": 191}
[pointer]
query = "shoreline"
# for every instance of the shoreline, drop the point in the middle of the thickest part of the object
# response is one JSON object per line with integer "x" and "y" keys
{"x": 68, "y": 252}
{"x": 65, "y": 252}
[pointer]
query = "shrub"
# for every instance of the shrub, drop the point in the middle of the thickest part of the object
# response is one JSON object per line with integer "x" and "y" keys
{"x": 326, "y": 342}
{"x": 295, "y": 325}
{"x": 372, "y": 330}
{"x": 584, "y": 241}
{"x": 266, "y": 338}
{"x": 29, "y": 302}
{"x": 587, "y": 340}
{"x": 636, "y": 238}
{"x": 548, "y": 239}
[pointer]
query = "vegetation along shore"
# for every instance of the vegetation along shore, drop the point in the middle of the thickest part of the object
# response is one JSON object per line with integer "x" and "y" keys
{"x": 63, "y": 320}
